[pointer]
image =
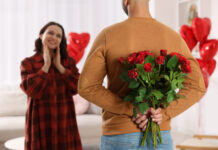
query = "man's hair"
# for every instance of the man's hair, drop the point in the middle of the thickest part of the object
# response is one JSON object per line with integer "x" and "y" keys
{"x": 125, "y": 7}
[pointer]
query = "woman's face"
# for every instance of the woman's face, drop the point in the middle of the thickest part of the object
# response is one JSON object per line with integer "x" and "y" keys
{"x": 52, "y": 37}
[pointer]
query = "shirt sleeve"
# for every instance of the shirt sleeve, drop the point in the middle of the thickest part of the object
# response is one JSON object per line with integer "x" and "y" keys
{"x": 33, "y": 83}
{"x": 194, "y": 87}
{"x": 71, "y": 76}
{"x": 91, "y": 79}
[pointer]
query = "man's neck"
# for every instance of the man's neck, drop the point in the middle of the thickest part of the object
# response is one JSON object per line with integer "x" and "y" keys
{"x": 142, "y": 12}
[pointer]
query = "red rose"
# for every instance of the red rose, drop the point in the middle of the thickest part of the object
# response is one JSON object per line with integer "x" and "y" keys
{"x": 121, "y": 60}
{"x": 160, "y": 60}
{"x": 144, "y": 53}
{"x": 186, "y": 68}
{"x": 132, "y": 58}
{"x": 148, "y": 67}
{"x": 151, "y": 54}
{"x": 183, "y": 60}
{"x": 163, "y": 52}
{"x": 133, "y": 74}
{"x": 174, "y": 53}
{"x": 140, "y": 59}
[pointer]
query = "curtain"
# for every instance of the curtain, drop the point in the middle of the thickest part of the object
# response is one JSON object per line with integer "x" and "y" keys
{"x": 21, "y": 21}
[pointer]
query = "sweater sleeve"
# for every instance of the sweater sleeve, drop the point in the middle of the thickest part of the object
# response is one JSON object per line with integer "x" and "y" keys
{"x": 71, "y": 76}
{"x": 91, "y": 79}
{"x": 33, "y": 83}
{"x": 194, "y": 87}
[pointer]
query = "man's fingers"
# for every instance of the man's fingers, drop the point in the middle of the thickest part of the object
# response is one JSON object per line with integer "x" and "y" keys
{"x": 158, "y": 110}
{"x": 147, "y": 111}
{"x": 144, "y": 128}
{"x": 137, "y": 116}
{"x": 157, "y": 118}
{"x": 143, "y": 123}
{"x": 155, "y": 112}
{"x": 140, "y": 119}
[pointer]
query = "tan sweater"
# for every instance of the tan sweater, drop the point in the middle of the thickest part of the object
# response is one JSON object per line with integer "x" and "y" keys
{"x": 119, "y": 40}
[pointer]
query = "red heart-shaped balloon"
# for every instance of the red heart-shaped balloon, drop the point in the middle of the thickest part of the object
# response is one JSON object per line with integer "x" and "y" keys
{"x": 78, "y": 41}
{"x": 77, "y": 45}
{"x": 205, "y": 76}
{"x": 202, "y": 63}
{"x": 77, "y": 54}
{"x": 187, "y": 34}
{"x": 208, "y": 65}
{"x": 201, "y": 28}
{"x": 211, "y": 66}
{"x": 208, "y": 49}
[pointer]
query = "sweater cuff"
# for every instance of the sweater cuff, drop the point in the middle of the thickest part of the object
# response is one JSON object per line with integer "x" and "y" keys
{"x": 129, "y": 111}
{"x": 165, "y": 116}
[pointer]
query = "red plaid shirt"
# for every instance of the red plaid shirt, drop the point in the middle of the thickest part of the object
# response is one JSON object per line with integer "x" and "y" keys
{"x": 50, "y": 118}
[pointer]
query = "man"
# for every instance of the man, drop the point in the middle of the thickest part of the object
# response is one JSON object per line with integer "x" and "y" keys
{"x": 139, "y": 32}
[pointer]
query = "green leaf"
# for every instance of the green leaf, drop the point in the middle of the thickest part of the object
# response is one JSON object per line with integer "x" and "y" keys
{"x": 148, "y": 93}
{"x": 171, "y": 64}
{"x": 153, "y": 81}
{"x": 156, "y": 77}
{"x": 140, "y": 69}
{"x": 143, "y": 107}
{"x": 166, "y": 77}
{"x": 124, "y": 76}
{"x": 180, "y": 85}
{"x": 145, "y": 78}
{"x": 150, "y": 59}
{"x": 128, "y": 98}
{"x": 173, "y": 84}
{"x": 157, "y": 94}
{"x": 134, "y": 112}
{"x": 170, "y": 97}
{"x": 139, "y": 99}
{"x": 179, "y": 96}
{"x": 133, "y": 84}
{"x": 180, "y": 79}
{"x": 142, "y": 91}
{"x": 156, "y": 101}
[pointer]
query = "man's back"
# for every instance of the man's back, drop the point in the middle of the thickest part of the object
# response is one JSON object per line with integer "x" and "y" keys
{"x": 120, "y": 40}
{"x": 133, "y": 35}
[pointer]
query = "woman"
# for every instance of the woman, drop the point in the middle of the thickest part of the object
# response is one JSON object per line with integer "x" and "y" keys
{"x": 49, "y": 78}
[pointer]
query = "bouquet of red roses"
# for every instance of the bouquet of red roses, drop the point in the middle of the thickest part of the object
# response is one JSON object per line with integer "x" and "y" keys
{"x": 153, "y": 82}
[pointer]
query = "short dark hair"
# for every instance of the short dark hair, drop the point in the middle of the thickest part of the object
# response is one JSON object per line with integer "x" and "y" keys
{"x": 125, "y": 8}
{"x": 63, "y": 44}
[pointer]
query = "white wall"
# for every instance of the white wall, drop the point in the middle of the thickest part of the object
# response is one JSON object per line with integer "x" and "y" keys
{"x": 210, "y": 100}
{"x": 201, "y": 118}
{"x": 165, "y": 12}
{"x": 214, "y": 18}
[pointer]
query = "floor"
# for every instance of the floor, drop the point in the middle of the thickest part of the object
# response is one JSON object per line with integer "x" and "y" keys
{"x": 2, "y": 146}
{"x": 88, "y": 147}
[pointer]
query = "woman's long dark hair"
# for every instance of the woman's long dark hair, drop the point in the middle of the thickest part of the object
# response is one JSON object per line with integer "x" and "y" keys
{"x": 63, "y": 44}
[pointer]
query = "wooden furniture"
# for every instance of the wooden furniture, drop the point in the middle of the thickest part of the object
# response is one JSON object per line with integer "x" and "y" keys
{"x": 200, "y": 142}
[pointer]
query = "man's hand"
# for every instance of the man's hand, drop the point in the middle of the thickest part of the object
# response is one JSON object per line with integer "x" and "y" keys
{"x": 142, "y": 119}
{"x": 156, "y": 115}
